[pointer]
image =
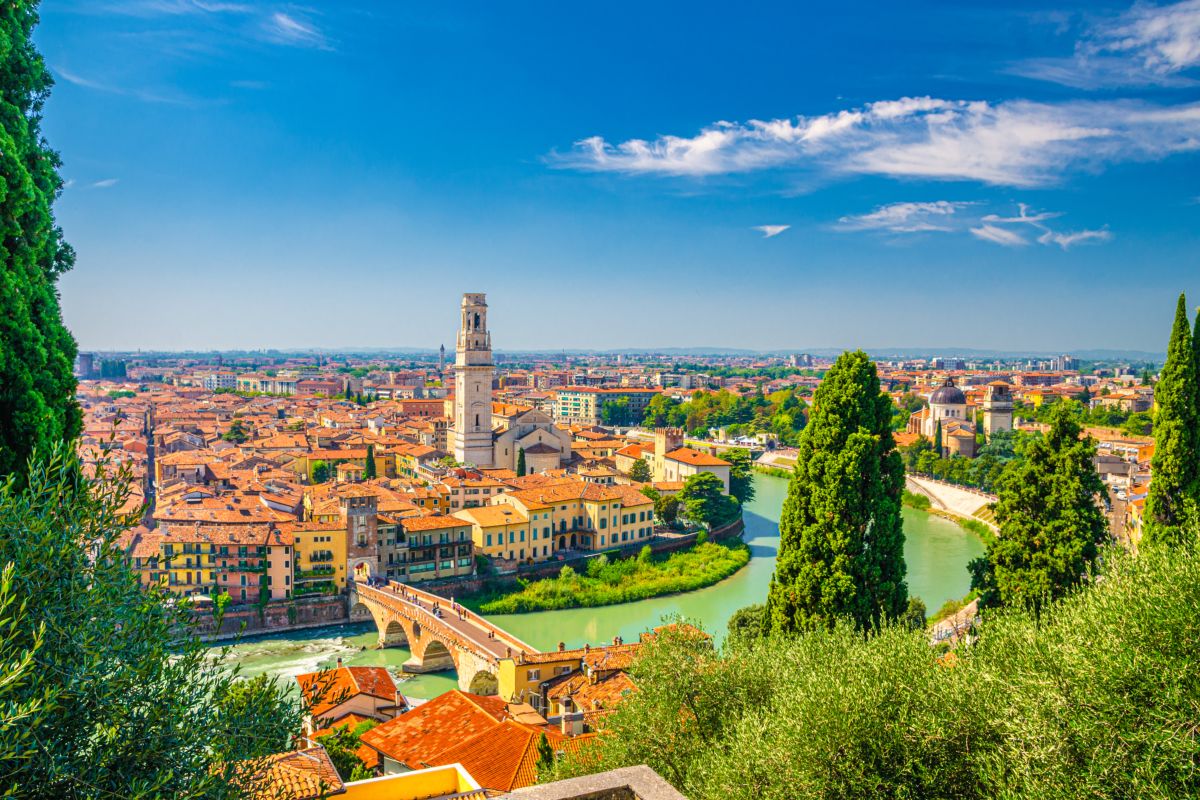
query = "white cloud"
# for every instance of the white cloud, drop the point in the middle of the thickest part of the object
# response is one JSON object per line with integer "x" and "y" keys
{"x": 284, "y": 28}
{"x": 905, "y": 217}
{"x": 1147, "y": 44}
{"x": 991, "y": 233}
{"x": 1069, "y": 240}
{"x": 107, "y": 183}
{"x": 770, "y": 230}
{"x": 944, "y": 216}
{"x": 1023, "y": 217}
{"x": 1013, "y": 143}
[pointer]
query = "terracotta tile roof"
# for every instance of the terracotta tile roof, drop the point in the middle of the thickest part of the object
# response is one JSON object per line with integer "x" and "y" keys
{"x": 432, "y": 522}
{"x": 330, "y": 688}
{"x": 416, "y": 736}
{"x": 588, "y": 695}
{"x": 687, "y": 455}
{"x": 298, "y": 775}
{"x": 487, "y": 516}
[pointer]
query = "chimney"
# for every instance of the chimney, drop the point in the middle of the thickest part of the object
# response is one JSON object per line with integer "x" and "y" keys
{"x": 562, "y": 646}
{"x": 339, "y": 662}
{"x": 572, "y": 723}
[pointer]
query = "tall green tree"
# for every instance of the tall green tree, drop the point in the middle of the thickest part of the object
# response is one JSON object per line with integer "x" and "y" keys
{"x": 841, "y": 545}
{"x": 1051, "y": 523}
{"x": 521, "y": 468}
{"x": 37, "y": 353}
{"x": 938, "y": 446}
{"x": 369, "y": 471}
{"x": 741, "y": 474}
{"x": 640, "y": 471}
{"x": 704, "y": 500}
{"x": 136, "y": 705}
{"x": 1171, "y": 506}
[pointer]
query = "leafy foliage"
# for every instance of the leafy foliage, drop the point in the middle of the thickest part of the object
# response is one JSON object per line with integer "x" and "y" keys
{"x": 841, "y": 547}
{"x": 1051, "y": 526}
{"x": 237, "y": 432}
{"x": 607, "y": 582}
{"x": 741, "y": 474}
{"x": 640, "y": 471}
{"x": 370, "y": 469}
{"x": 1096, "y": 698}
{"x": 134, "y": 705}
{"x": 1172, "y": 504}
{"x": 781, "y": 413}
{"x": 342, "y": 745}
{"x": 37, "y": 353}
{"x": 704, "y": 500}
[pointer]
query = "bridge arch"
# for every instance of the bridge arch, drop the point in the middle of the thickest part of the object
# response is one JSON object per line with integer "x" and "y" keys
{"x": 452, "y": 639}
{"x": 393, "y": 634}
{"x": 484, "y": 682}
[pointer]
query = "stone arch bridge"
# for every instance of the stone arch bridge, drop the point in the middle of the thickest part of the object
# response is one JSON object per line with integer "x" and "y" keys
{"x": 468, "y": 643}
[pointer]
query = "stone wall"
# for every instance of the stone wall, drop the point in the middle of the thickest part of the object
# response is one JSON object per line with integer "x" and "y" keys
{"x": 306, "y": 612}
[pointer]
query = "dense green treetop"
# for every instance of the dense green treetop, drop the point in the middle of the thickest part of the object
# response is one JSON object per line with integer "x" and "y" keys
{"x": 135, "y": 706}
{"x": 1051, "y": 523}
{"x": 704, "y": 500}
{"x": 37, "y": 353}
{"x": 1171, "y": 506}
{"x": 1095, "y": 698}
{"x": 741, "y": 473}
{"x": 841, "y": 547}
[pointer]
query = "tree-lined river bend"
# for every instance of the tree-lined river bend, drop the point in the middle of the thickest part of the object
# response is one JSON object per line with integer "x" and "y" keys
{"x": 936, "y": 550}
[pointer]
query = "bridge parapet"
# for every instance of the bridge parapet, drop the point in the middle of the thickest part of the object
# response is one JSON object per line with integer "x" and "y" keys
{"x": 501, "y": 635}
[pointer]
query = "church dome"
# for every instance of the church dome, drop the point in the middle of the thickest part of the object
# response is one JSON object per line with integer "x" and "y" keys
{"x": 948, "y": 395}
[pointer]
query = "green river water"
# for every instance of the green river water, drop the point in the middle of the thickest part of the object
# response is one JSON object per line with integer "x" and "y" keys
{"x": 936, "y": 550}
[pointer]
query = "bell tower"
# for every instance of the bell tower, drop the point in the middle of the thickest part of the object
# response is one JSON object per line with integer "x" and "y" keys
{"x": 997, "y": 409}
{"x": 473, "y": 372}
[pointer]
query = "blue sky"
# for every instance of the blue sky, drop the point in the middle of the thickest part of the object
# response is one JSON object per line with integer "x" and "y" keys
{"x": 243, "y": 175}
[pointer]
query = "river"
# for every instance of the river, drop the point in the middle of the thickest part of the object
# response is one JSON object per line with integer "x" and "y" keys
{"x": 936, "y": 550}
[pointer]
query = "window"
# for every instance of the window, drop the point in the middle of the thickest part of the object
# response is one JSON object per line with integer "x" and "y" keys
{"x": 489, "y": 540}
{"x": 533, "y": 675}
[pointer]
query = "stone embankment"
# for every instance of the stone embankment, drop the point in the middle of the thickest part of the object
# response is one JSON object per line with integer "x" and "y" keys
{"x": 950, "y": 498}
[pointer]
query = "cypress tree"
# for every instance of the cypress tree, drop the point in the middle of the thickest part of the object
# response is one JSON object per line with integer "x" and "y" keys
{"x": 937, "y": 440}
{"x": 841, "y": 541}
{"x": 37, "y": 353}
{"x": 369, "y": 471}
{"x": 1171, "y": 503}
{"x": 1051, "y": 526}
{"x": 521, "y": 462}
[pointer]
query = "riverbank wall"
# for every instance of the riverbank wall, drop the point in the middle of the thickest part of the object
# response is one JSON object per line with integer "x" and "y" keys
{"x": 950, "y": 499}
{"x": 291, "y": 615}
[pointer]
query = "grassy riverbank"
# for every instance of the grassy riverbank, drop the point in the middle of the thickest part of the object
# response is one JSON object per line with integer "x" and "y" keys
{"x": 621, "y": 581}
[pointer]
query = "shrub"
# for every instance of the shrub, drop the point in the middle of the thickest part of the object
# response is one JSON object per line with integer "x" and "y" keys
{"x": 1096, "y": 698}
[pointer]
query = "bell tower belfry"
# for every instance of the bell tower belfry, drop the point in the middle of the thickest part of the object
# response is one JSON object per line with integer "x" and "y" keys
{"x": 473, "y": 372}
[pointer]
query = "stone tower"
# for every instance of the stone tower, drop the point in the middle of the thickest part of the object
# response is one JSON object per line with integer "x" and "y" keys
{"x": 997, "y": 409}
{"x": 473, "y": 371}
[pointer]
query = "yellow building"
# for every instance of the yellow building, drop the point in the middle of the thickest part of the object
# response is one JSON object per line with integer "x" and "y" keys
{"x": 577, "y": 515}
{"x": 503, "y": 531}
{"x": 319, "y": 557}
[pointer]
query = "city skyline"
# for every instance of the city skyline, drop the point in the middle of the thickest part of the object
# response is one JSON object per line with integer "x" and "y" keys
{"x": 993, "y": 177}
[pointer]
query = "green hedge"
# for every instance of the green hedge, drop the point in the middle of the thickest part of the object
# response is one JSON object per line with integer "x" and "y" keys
{"x": 1099, "y": 698}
